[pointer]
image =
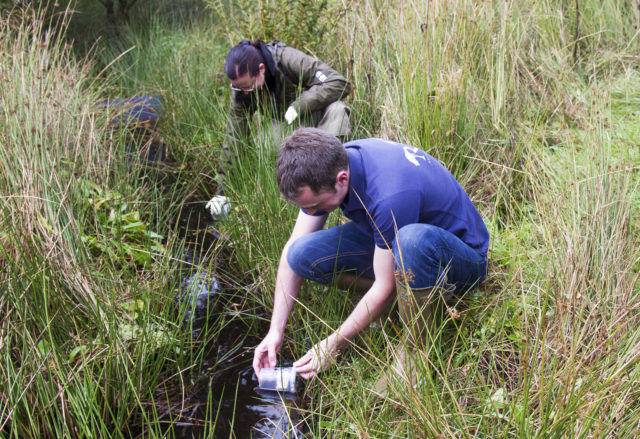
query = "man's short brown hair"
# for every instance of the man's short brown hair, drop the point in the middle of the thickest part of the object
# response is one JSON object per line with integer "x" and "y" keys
{"x": 309, "y": 157}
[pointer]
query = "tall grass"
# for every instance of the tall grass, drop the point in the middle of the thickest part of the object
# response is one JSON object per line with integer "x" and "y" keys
{"x": 89, "y": 326}
{"x": 548, "y": 344}
{"x": 492, "y": 90}
{"x": 541, "y": 128}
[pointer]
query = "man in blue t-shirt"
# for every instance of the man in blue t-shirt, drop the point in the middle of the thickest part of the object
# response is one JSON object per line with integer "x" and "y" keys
{"x": 413, "y": 231}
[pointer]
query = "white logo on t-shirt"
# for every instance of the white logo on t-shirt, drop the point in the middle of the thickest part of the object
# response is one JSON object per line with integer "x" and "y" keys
{"x": 412, "y": 154}
{"x": 321, "y": 76}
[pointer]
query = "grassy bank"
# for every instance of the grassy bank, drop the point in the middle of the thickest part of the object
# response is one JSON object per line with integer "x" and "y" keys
{"x": 90, "y": 256}
{"x": 534, "y": 106}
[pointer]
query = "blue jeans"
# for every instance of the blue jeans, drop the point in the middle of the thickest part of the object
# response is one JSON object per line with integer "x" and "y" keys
{"x": 426, "y": 254}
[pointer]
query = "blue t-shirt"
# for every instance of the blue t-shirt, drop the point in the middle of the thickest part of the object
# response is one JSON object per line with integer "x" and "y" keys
{"x": 393, "y": 185}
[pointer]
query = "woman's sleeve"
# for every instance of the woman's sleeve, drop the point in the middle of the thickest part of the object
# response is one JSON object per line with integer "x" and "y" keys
{"x": 321, "y": 84}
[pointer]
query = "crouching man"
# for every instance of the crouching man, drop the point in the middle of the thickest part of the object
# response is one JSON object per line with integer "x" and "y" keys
{"x": 413, "y": 233}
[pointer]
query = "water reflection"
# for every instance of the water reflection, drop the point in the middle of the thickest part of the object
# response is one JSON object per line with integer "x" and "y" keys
{"x": 236, "y": 409}
{"x": 223, "y": 401}
{"x": 199, "y": 294}
{"x": 225, "y": 396}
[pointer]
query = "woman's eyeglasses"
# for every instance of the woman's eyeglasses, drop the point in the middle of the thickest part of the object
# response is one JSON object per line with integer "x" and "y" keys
{"x": 243, "y": 90}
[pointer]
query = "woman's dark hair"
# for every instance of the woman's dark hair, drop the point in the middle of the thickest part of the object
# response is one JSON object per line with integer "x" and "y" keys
{"x": 242, "y": 58}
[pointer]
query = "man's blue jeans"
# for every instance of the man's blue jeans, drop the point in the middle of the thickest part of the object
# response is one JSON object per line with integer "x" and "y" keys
{"x": 427, "y": 255}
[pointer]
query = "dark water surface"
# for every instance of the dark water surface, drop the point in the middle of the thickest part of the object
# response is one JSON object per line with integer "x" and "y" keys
{"x": 238, "y": 409}
{"x": 223, "y": 401}
{"x": 226, "y": 393}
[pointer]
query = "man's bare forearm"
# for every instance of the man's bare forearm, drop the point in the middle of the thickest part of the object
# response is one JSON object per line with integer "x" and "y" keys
{"x": 286, "y": 292}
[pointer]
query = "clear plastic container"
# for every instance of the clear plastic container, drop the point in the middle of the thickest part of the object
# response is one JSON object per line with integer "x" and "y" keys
{"x": 279, "y": 379}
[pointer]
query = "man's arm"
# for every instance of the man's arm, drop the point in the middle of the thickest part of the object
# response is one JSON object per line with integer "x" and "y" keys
{"x": 373, "y": 303}
{"x": 286, "y": 291}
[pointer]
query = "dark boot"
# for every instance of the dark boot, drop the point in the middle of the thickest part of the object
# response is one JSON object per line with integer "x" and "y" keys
{"x": 352, "y": 283}
{"x": 358, "y": 287}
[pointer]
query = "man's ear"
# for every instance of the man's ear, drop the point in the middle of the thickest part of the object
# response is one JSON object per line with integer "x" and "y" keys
{"x": 261, "y": 67}
{"x": 342, "y": 177}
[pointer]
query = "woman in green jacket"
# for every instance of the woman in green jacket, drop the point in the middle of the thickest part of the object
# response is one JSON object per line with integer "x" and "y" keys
{"x": 290, "y": 85}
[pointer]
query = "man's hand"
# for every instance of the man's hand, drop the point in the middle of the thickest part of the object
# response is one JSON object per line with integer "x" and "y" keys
{"x": 266, "y": 351}
{"x": 317, "y": 359}
{"x": 373, "y": 303}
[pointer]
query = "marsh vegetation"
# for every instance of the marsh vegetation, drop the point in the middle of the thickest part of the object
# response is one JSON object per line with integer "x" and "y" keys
{"x": 533, "y": 106}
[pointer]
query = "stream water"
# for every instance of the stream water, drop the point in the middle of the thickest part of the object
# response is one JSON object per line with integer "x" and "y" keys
{"x": 223, "y": 399}
{"x": 239, "y": 410}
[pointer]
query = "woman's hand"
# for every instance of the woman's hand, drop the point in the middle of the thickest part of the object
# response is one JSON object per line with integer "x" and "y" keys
{"x": 320, "y": 357}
